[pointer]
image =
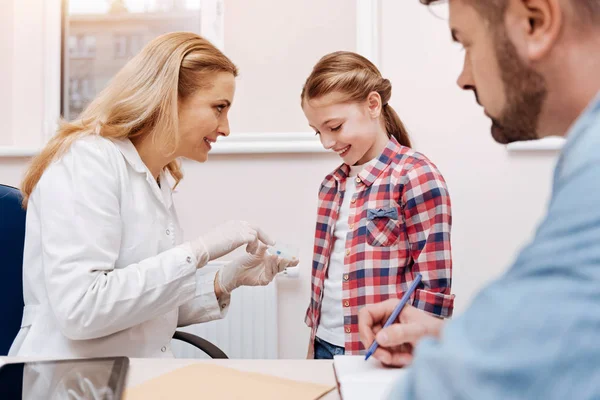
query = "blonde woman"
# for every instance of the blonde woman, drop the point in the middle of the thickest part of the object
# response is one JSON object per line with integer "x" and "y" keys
{"x": 105, "y": 269}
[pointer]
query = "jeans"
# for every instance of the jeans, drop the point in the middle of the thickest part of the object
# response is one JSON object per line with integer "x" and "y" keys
{"x": 325, "y": 350}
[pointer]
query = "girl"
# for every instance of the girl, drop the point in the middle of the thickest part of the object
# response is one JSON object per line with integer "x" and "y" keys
{"x": 106, "y": 271}
{"x": 384, "y": 214}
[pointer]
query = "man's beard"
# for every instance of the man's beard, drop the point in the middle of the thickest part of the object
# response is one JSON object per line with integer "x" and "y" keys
{"x": 525, "y": 92}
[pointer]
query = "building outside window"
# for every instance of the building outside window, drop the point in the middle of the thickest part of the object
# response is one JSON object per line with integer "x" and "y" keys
{"x": 102, "y": 35}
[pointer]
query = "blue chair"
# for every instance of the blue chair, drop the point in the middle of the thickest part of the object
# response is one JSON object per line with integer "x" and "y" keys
{"x": 12, "y": 239}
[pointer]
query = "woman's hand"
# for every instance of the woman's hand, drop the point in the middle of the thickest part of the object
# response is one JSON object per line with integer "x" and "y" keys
{"x": 257, "y": 269}
{"x": 228, "y": 237}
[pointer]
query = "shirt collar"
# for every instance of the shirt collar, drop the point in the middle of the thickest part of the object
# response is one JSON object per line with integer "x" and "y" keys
{"x": 373, "y": 168}
{"x": 577, "y": 130}
{"x": 131, "y": 155}
{"x": 580, "y": 140}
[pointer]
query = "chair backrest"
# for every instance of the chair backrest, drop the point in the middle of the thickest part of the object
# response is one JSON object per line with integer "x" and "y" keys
{"x": 12, "y": 239}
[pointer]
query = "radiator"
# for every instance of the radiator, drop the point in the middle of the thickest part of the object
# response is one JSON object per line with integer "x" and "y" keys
{"x": 249, "y": 330}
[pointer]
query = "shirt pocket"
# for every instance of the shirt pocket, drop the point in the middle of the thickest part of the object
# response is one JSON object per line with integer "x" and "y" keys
{"x": 383, "y": 227}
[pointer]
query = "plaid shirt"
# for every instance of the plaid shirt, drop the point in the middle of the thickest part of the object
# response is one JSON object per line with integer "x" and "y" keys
{"x": 399, "y": 226}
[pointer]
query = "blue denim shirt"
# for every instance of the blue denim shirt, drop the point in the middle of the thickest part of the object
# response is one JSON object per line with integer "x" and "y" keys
{"x": 535, "y": 332}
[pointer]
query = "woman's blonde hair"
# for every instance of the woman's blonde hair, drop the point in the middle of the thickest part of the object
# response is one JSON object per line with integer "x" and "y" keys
{"x": 356, "y": 77}
{"x": 141, "y": 99}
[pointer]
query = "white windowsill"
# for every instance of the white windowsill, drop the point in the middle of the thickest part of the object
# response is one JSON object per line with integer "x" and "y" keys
{"x": 290, "y": 142}
{"x": 10, "y": 151}
{"x": 546, "y": 144}
{"x": 238, "y": 143}
{"x": 278, "y": 142}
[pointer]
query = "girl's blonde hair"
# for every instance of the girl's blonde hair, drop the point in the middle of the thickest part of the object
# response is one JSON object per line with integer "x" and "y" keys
{"x": 356, "y": 77}
{"x": 141, "y": 99}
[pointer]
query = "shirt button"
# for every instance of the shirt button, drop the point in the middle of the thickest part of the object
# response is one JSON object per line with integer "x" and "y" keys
{"x": 347, "y": 330}
{"x": 357, "y": 180}
{"x": 346, "y": 277}
{"x": 224, "y": 306}
{"x": 353, "y": 200}
{"x": 346, "y": 303}
{"x": 351, "y": 226}
{"x": 168, "y": 232}
{"x": 163, "y": 349}
{"x": 189, "y": 260}
{"x": 348, "y": 252}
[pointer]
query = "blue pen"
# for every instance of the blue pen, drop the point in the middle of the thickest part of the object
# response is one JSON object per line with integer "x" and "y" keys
{"x": 396, "y": 312}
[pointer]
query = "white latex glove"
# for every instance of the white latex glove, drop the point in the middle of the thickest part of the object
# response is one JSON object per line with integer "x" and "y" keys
{"x": 257, "y": 269}
{"x": 226, "y": 238}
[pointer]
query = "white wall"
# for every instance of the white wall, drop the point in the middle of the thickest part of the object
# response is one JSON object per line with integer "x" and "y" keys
{"x": 279, "y": 193}
{"x": 11, "y": 170}
{"x": 497, "y": 197}
{"x": 6, "y": 74}
{"x": 275, "y": 44}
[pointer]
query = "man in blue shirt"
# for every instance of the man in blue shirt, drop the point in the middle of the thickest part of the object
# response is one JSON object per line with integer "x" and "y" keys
{"x": 534, "y": 333}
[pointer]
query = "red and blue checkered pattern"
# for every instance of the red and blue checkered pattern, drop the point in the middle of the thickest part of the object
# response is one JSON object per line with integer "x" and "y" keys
{"x": 399, "y": 225}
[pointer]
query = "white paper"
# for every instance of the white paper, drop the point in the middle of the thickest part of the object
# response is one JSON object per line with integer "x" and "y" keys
{"x": 360, "y": 379}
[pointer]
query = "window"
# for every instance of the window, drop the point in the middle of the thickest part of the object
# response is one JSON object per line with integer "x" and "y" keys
{"x": 273, "y": 44}
{"x": 120, "y": 42}
{"x": 136, "y": 43}
{"x": 82, "y": 46}
{"x": 127, "y": 46}
{"x": 102, "y": 35}
{"x": 81, "y": 92}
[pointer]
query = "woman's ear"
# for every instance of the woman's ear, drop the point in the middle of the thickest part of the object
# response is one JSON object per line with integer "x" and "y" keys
{"x": 374, "y": 105}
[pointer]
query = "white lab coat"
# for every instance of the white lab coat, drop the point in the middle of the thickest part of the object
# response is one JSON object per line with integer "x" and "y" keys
{"x": 104, "y": 271}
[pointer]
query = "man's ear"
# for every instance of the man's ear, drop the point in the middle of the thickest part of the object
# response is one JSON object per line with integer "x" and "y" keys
{"x": 536, "y": 24}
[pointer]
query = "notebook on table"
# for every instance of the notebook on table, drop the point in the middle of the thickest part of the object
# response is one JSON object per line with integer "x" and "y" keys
{"x": 210, "y": 381}
{"x": 360, "y": 379}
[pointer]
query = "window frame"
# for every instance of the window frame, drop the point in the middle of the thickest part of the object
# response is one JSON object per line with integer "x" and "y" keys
{"x": 38, "y": 111}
